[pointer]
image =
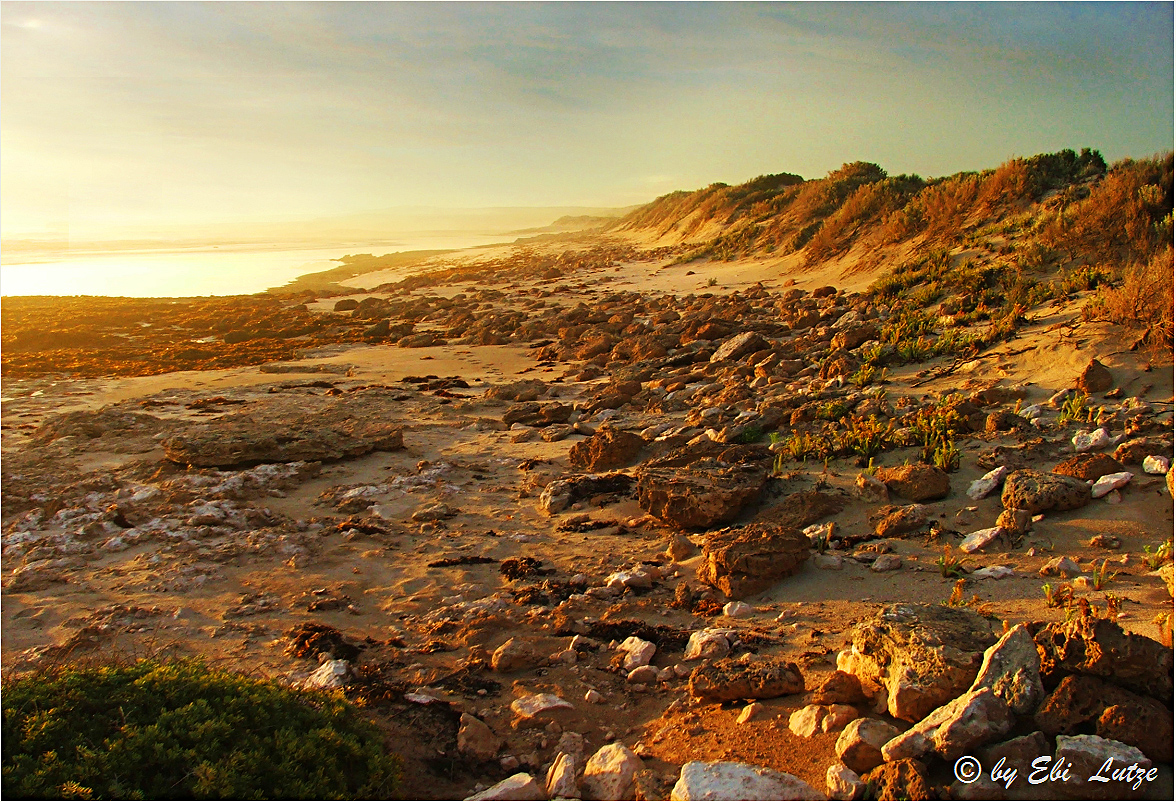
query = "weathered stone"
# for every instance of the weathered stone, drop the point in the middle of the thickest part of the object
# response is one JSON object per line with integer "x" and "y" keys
{"x": 798, "y": 510}
{"x": 1015, "y": 755}
{"x": 538, "y": 414}
{"x": 707, "y": 643}
{"x": 1081, "y": 701}
{"x": 608, "y": 774}
{"x": 562, "y": 493}
{"x": 839, "y": 688}
{"x": 806, "y": 722}
{"x": 680, "y": 547}
{"x": 521, "y": 786}
{"x": 1099, "y": 647}
{"x": 540, "y": 708}
{"x": 860, "y": 744}
{"x": 1090, "y": 756}
{"x": 852, "y": 336}
{"x": 727, "y": 780}
{"x": 976, "y": 718}
{"x": 746, "y": 560}
{"x": 922, "y": 655}
{"x": 887, "y": 562}
{"x": 896, "y": 521}
{"x": 475, "y": 739}
{"x": 749, "y": 712}
{"x": 608, "y": 448}
{"x": 1062, "y": 566}
{"x": 842, "y": 782}
{"x": 515, "y": 655}
{"x": 1091, "y": 441}
{"x": 739, "y": 346}
{"x": 726, "y": 680}
{"x": 330, "y": 675}
{"x": 561, "y": 778}
{"x": 916, "y": 482}
{"x": 902, "y": 779}
{"x": 871, "y": 489}
{"x": 1095, "y": 378}
{"x": 1040, "y": 492}
{"x": 839, "y": 717}
{"x": 523, "y": 390}
{"x": 699, "y": 486}
{"x": 1016, "y": 522}
{"x": 638, "y": 652}
{"x": 980, "y": 538}
{"x": 1088, "y": 466}
{"x": 1156, "y": 465}
{"x": 1112, "y": 481}
{"x": 987, "y": 483}
{"x": 332, "y": 432}
{"x": 1012, "y": 669}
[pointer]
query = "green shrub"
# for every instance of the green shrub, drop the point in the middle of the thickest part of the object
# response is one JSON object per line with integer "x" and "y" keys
{"x": 180, "y": 730}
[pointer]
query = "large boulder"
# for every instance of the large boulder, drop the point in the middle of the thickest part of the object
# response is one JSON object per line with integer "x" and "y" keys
{"x": 1100, "y": 648}
{"x": 916, "y": 482}
{"x": 726, "y": 780}
{"x": 860, "y": 744}
{"x": 607, "y": 449}
{"x": 1089, "y": 756}
{"x": 920, "y": 656}
{"x": 728, "y": 679}
{"x": 1012, "y": 669}
{"x": 697, "y": 487}
{"x": 748, "y": 559}
{"x": 1036, "y": 492}
{"x": 521, "y": 786}
{"x": 1081, "y": 703}
{"x": 966, "y": 722}
{"x": 609, "y": 773}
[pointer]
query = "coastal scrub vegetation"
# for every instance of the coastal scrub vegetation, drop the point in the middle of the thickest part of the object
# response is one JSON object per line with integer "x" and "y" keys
{"x": 182, "y": 730}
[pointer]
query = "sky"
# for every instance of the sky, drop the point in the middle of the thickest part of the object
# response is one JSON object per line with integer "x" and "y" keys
{"x": 124, "y": 117}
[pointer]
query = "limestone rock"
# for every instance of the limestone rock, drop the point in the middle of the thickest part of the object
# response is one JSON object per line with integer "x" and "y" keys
{"x": 607, "y": 449}
{"x": 519, "y": 786}
{"x": 726, "y": 680}
{"x": 1088, "y": 755}
{"x": 638, "y": 652}
{"x": 839, "y": 717}
{"x": 980, "y": 538}
{"x": 727, "y": 780}
{"x": 706, "y": 643}
{"x": 538, "y": 414}
{"x": 523, "y": 390}
{"x": 562, "y": 493}
{"x": 680, "y": 547}
{"x": 806, "y": 722}
{"x": 739, "y": 346}
{"x": 968, "y": 721}
{"x": 1081, "y": 701}
{"x": 515, "y": 655}
{"x": 871, "y": 489}
{"x": 1156, "y": 465}
{"x": 699, "y": 486}
{"x": 860, "y": 744}
{"x": 896, "y": 521}
{"x": 987, "y": 483}
{"x": 561, "y": 778}
{"x": 608, "y": 774}
{"x": 538, "y": 709}
{"x": 1099, "y": 647}
{"x": 1040, "y": 492}
{"x": 916, "y": 482}
{"x": 1112, "y": 481}
{"x": 922, "y": 655}
{"x": 330, "y": 675}
{"x": 1012, "y": 669}
{"x": 902, "y": 779}
{"x": 1088, "y": 466}
{"x": 1015, "y": 522}
{"x": 1095, "y": 378}
{"x": 476, "y": 739}
{"x": 839, "y": 688}
{"x": 842, "y": 782}
{"x": 746, "y": 560}
{"x": 1091, "y": 441}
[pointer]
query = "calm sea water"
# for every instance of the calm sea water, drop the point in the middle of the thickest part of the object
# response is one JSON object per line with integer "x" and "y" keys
{"x": 162, "y": 274}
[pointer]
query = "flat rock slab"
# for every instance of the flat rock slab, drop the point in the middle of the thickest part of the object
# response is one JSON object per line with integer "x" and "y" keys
{"x": 283, "y": 432}
{"x": 921, "y": 655}
{"x": 748, "y": 559}
{"x": 697, "y": 487}
{"x": 916, "y": 482}
{"x": 726, "y": 780}
{"x": 726, "y": 680}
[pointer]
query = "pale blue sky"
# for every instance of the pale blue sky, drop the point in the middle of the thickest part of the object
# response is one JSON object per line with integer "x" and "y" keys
{"x": 124, "y": 114}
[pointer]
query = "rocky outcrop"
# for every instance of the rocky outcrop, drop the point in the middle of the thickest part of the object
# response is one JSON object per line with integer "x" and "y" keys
{"x": 727, "y": 679}
{"x": 920, "y": 656}
{"x": 605, "y": 450}
{"x": 696, "y": 487}
{"x": 896, "y": 521}
{"x": 562, "y": 493}
{"x": 966, "y": 722}
{"x": 1099, "y": 647}
{"x": 748, "y": 559}
{"x": 916, "y": 482}
{"x": 1081, "y": 703}
{"x": 1036, "y": 492}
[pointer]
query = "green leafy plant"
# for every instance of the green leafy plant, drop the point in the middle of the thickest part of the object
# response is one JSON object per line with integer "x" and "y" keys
{"x": 949, "y": 564}
{"x": 867, "y": 437}
{"x": 864, "y": 375}
{"x": 1061, "y": 596}
{"x": 1074, "y": 408}
{"x": 1154, "y": 559}
{"x": 946, "y": 457}
{"x": 1101, "y": 576}
{"x": 179, "y": 729}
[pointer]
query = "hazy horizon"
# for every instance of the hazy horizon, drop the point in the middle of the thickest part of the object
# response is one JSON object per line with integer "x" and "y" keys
{"x": 122, "y": 119}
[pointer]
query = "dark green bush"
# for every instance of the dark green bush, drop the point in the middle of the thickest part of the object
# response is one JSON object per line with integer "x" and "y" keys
{"x": 181, "y": 730}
